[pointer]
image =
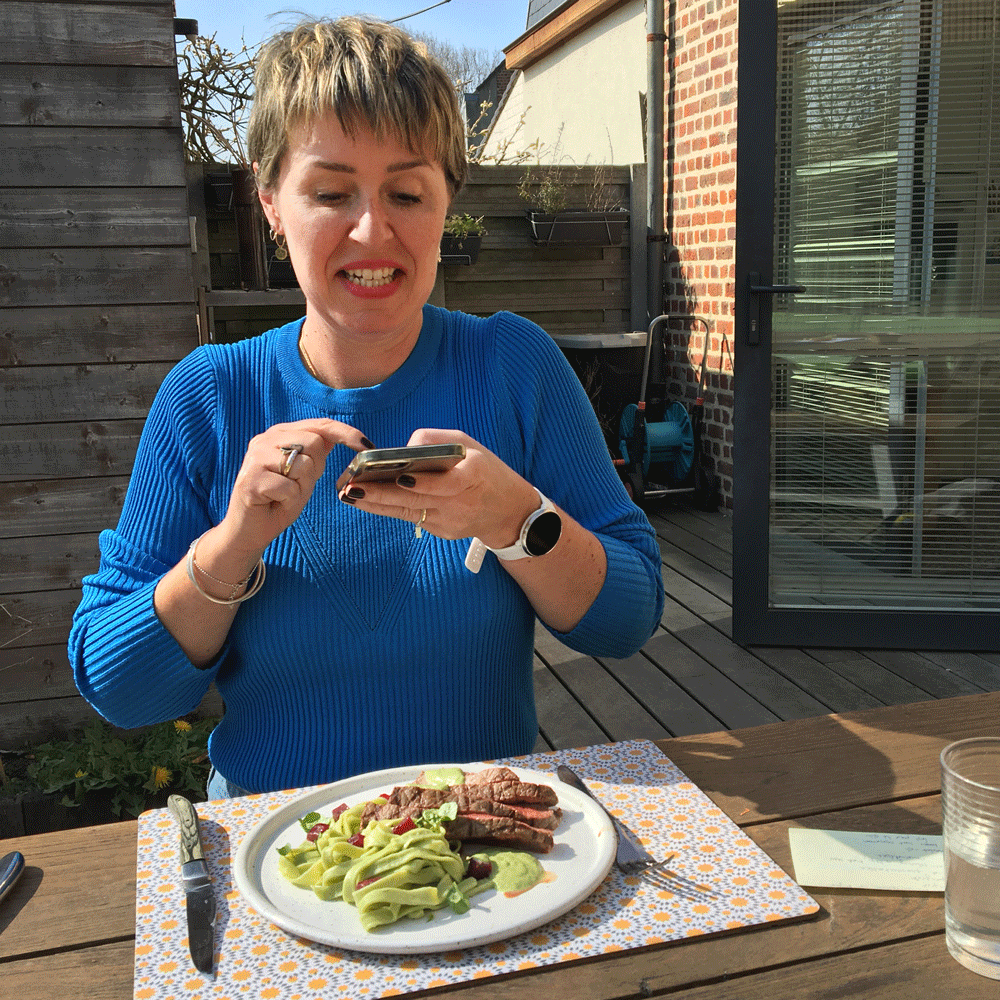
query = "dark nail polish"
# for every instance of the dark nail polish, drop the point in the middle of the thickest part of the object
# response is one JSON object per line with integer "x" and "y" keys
{"x": 366, "y": 443}
{"x": 346, "y": 499}
{"x": 406, "y": 480}
{"x": 356, "y": 493}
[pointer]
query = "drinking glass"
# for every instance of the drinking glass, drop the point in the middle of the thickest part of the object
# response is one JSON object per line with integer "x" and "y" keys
{"x": 970, "y": 805}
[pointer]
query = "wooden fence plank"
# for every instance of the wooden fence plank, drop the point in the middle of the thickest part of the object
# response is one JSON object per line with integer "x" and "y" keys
{"x": 63, "y": 450}
{"x": 35, "y": 674}
{"x": 543, "y": 295}
{"x": 78, "y": 392}
{"x": 28, "y": 723}
{"x": 50, "y": 562}
{"x": 88, "y": 334}
{"x": 83, "y": 96}
{"x": 79, "y": 33}
{"x": 90, "y": 157}
{"x": 39, "y": 618}
{"x": 60, "y": 506}
{"x": 99, "y": 276}
{"x": 92, "y": 217}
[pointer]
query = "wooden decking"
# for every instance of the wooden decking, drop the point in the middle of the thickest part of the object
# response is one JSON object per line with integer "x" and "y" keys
{"x": 690, "y": 677}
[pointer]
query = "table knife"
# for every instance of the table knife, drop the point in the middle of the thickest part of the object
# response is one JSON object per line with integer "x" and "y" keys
{"x": 11, "y": 866}
{"x": 197, "y": 886}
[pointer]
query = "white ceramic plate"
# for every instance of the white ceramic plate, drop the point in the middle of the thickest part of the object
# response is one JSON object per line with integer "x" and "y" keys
{"x": 583, "y": 853}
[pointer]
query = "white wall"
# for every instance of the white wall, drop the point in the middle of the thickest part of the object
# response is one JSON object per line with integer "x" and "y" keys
{"x": 581, "y": 102}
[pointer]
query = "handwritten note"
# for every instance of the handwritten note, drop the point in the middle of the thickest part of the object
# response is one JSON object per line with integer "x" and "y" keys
{"x": 840, "y": 859}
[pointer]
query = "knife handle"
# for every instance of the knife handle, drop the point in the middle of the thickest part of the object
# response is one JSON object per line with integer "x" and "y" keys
{"x": 190, "y": 833}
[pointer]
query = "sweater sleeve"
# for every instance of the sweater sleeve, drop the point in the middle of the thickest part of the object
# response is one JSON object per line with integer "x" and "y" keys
{"x": 567, "y": 458}
{"x": 125, "y": 662}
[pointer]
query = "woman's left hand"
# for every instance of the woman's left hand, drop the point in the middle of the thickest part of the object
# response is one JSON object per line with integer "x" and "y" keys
{"x": 481, "y": 496}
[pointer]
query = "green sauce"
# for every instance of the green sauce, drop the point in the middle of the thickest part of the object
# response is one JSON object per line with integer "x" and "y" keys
{"x": 514, "y": 871}
{"x": 443, "y": 777}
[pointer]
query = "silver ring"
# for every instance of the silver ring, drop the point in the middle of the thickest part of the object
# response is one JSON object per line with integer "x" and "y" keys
{"x": 291, "y": 452}
{"x": 417, "y": 530}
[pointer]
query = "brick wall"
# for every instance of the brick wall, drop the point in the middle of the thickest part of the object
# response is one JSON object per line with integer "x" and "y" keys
{"x": 700, "y": 211}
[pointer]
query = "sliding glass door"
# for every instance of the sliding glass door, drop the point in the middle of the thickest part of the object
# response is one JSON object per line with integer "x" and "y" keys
{"x": 867, "y": 489}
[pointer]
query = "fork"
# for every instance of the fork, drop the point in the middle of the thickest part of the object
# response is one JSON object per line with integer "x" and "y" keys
{"x": 632, "y": 858}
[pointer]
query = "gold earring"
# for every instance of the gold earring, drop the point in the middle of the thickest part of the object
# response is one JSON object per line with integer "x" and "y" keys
{"x": 281, "y": 249}
{"x": 439, "y": 255}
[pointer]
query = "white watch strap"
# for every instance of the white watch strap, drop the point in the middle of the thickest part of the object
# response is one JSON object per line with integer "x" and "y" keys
{"x": 478, "y": 548}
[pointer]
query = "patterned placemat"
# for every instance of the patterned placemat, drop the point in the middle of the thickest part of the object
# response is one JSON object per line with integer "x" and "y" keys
{"x": 638, "y": 783}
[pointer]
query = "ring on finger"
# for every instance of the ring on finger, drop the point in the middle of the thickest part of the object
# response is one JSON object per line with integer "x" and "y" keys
{"x": 291, "y": 452}
{"x": 417, "y": 530}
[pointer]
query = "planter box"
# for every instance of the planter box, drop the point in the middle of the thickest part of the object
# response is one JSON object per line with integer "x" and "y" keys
{"x": 606, "y": 229}
{"x": 460, "y": 249}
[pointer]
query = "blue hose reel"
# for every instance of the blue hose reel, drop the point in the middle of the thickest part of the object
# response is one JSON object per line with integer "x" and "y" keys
{"x": 670, "y": 440}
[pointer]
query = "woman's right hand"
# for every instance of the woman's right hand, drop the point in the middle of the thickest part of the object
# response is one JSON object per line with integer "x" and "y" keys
{"x": 264, "y": 500}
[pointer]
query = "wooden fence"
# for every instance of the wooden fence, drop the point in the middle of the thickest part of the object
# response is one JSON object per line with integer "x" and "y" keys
{"x": 96, "y": 304}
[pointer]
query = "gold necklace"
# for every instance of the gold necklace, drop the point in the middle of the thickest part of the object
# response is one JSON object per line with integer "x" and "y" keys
{"x": 308, "y": 360}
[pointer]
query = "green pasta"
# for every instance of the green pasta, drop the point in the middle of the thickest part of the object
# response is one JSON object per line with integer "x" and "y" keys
{"x": 392, "y": 876}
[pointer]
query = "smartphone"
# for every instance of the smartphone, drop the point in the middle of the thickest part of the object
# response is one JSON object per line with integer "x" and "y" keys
{"x": 385, "y": 464}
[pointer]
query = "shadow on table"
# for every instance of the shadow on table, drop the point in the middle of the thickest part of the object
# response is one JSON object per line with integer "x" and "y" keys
{"x": 20, "y": 895}
{"x": 830, "y": 763}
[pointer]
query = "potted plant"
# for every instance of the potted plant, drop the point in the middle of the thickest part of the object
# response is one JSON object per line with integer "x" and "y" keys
{"x": 462, "y": 239}
{"x": 601, "y": 223}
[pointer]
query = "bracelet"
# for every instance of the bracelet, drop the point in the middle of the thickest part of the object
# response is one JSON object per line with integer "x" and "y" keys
{"x": 257, "y": 575}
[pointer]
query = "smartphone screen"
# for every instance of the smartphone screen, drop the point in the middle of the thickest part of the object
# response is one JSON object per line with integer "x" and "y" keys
{"x": 385, "y": 464}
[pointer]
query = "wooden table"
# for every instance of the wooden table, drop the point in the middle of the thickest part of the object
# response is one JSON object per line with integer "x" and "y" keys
{"x": 67, "y": 928}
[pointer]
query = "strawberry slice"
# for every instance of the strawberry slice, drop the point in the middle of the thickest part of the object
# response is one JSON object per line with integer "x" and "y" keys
{"x": 315, "y": 830}
{"x": 404, "y": 825}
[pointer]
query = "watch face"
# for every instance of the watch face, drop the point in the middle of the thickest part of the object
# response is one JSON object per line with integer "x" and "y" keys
{"x": 543, "y": 533}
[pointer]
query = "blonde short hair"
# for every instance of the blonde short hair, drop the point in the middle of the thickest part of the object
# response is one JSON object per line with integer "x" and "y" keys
{"x": 372, "y": 76}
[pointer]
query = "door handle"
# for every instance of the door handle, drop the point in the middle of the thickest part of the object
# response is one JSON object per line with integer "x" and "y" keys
{"x": 756, "y": 288}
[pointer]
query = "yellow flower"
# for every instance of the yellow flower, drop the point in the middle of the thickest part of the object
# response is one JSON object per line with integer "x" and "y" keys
{"x": 80, "y": 774}
{"x": 161, "y": 777}
{"x": 182, "y": 726}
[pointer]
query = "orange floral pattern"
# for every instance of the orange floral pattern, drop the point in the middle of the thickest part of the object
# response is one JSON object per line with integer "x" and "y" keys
{"x": 643, "y": 789}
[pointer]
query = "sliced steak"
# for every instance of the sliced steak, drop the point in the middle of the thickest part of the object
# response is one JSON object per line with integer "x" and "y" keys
{"x": 500, "y": 810}
{"x": 502, "y": 831}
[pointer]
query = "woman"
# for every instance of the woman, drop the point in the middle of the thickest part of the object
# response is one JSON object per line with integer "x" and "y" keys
{"x": 366, "y": 643}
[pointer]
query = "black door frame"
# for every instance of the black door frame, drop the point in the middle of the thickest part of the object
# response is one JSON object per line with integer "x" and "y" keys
{"x": 755, "y": 623}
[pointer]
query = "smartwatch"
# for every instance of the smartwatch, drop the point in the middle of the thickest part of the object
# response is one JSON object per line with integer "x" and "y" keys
{"x": 538, "y": 535}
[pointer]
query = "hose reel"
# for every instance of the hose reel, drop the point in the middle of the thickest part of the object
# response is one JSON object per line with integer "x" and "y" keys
{"x": 669, "y": 441}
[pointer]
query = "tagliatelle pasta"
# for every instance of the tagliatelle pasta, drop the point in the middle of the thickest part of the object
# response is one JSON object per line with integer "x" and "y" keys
{"x": 391, "y": 876}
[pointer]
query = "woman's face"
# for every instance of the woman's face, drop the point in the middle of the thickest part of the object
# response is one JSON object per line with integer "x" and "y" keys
{"x": 363, "y": 220}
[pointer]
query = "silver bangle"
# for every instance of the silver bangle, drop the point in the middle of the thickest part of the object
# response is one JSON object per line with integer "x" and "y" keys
{"x": 257, "y": 575}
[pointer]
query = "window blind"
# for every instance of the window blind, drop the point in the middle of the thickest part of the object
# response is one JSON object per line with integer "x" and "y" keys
{"x": 886, "y": 372}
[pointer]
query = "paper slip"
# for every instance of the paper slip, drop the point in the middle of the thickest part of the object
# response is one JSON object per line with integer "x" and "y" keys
{"x": 839, "y": 859}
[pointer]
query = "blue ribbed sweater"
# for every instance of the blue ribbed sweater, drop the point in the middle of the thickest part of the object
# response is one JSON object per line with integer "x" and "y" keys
{"x": 367, "y": 647}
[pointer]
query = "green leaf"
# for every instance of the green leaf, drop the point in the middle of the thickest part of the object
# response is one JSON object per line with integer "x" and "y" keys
{"x": 433, "y": 819}
{"x": 309, "y": 821}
